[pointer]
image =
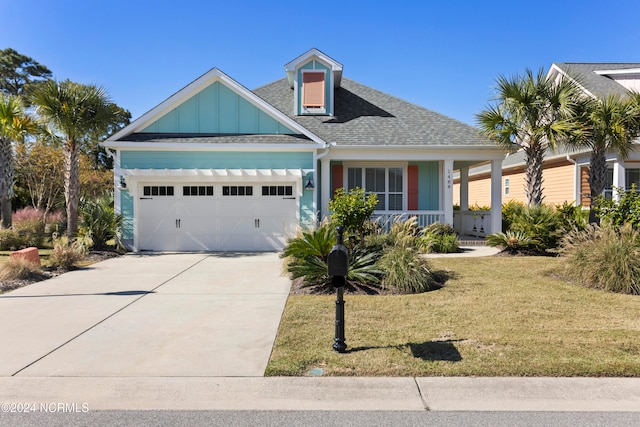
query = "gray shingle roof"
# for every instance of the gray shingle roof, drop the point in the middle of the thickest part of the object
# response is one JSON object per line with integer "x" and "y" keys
{"x": 365, "y": 116}
{"x": 597, "y": 84}
{"x": 201, "y": 138}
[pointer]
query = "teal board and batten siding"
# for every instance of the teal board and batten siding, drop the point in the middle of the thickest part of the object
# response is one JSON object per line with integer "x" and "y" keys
{"x": 428, "y": 185}
{"x": 216, "y": 160}
{"x": 217, "y": 109}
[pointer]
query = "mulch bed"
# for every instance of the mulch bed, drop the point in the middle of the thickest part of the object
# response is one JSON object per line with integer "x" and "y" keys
{"x": 47, "y": 273}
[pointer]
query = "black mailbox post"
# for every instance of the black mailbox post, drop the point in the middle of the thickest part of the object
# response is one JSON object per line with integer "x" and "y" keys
{"x": 338, "y": 267}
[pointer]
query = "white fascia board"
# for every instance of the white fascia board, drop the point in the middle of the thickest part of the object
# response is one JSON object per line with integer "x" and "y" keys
{"x": 618, "y": 71}
{"x": 163, "y": 146}
{"x": 332, "y": 63}
{"x": 196, "y": 86}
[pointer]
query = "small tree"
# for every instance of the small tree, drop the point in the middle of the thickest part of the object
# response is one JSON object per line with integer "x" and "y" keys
{"x": 351, "y": 209}
{"x": 532, "y": 113}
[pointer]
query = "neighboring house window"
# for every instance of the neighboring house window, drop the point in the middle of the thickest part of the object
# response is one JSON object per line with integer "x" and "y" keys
{"x": 632, "y": 176}
{"x": 313, "y": 91}
{"x": 506, "y": 186}
{"x": 608, "y": 184}
{"x": 386, "y": 183}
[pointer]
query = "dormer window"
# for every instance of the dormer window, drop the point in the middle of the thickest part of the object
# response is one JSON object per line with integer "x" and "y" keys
{"x": 314, "y": 77}
{"x": 313, "y": 92}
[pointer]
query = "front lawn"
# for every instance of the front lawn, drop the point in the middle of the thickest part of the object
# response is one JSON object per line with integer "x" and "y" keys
{"x": 495, "y": 316}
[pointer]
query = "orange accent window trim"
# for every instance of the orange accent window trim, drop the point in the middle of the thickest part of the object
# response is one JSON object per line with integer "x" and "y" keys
{"x": 313, "y": 89}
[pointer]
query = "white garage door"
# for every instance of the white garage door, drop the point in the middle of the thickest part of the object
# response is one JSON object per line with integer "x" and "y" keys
{"x": 216, "y": 217}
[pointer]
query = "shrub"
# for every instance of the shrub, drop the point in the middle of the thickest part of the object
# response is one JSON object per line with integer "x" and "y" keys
{"x": 99, "y": 220}
{"x": 439, "y": 238}
{"x": 27, "y": 214}
{"x": 540, "y": 223}
{"x": 405, "y": 233}
{"x": 66, "y": 256}
{"x": 510, "y": 211}
{"x": 28, "y": 223}
{"x": 30, "y": 232}
{"x": 306, "y": 258}
{"x": 20, "y": 269}
{"x": 10, "y": 240}
{"x": 626, "y": 210}
{"x": 439, "y": 229}
{"x": 352, "y": 209}
{"x": 513, "y": 241}
{"x": 439, "y": 243}
{"x": 376, "y": 239}
{"x": 306, "y": 254}
{"x": 604, "y": 258}
{"x": 56, "y": 224}
{"x": 405, "y": 271}
{"x": 571, "y": 217}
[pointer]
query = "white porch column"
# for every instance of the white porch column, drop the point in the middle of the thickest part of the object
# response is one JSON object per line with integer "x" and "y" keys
{"x": 447, "y": 199}
{"x": 464, "y": 188}
{"x": 619, "y": 179}
{"x": 325, "y": 192}
{"x": 496, "y": 196}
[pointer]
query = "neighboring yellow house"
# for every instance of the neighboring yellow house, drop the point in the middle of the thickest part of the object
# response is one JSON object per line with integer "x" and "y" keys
{"x": 563, "y": 181}
{"x": 565, "y": 172}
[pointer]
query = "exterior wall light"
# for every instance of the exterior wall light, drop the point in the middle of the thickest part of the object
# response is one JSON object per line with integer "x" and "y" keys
{"x": 309, "y": 185}
{"x": 123, "y": 184}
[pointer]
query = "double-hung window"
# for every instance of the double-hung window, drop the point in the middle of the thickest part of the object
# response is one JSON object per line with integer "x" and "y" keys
{"x": 386, "y": 183}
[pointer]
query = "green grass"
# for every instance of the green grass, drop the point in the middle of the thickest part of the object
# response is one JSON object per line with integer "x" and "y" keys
{"x": 496, "y": 316}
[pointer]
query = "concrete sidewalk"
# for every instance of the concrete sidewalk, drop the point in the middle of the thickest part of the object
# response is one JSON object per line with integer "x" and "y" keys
{"x": 330, "y": 393}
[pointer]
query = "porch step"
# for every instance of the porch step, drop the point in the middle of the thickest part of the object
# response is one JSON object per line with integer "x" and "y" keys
{"x": 472, "y": 242}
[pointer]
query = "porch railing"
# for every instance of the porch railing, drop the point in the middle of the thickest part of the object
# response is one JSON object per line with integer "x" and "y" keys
{"x": 424, "y": 218}
{"x": 472, "y": 223}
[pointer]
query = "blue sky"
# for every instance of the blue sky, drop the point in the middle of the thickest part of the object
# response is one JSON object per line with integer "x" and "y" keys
{"x": 443, "y": 55}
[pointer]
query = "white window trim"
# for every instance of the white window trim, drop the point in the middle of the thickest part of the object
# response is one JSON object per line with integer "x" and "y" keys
{"x": 507, "y": 186}
{"x": 386, "y": 166}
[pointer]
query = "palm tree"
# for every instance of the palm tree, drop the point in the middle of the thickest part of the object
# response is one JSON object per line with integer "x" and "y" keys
{"x": 612, "y": 123}
{"x": 533, "y": 113}
{"x": 73, "y": 111}
{"x": 15, "y": 125}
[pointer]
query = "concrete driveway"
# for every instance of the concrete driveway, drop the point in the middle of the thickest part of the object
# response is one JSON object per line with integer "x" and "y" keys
{"x": 158, "y": 315}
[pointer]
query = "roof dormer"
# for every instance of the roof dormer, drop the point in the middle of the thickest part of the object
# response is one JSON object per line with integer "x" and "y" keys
{"x": 314, "y": 76}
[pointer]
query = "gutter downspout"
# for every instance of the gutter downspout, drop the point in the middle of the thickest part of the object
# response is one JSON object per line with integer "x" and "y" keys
{"x": 324, "y": 180}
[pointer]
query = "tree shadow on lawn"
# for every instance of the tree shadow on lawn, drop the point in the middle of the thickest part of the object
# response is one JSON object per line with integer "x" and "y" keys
{"x": 444, "y": 350}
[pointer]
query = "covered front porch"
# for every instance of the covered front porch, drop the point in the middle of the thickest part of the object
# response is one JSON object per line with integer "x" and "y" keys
{"x": 417, "y": 185}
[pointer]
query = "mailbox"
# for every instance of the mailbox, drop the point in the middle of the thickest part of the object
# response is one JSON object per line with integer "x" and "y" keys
{"x": 338, "y": 259}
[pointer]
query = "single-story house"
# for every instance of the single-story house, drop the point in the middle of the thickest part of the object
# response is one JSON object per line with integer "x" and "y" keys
{"x": 219, "y": 167}
{"x": 566, "y": 171}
